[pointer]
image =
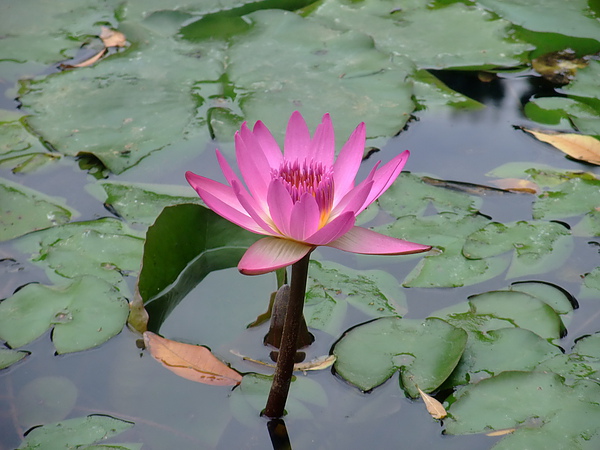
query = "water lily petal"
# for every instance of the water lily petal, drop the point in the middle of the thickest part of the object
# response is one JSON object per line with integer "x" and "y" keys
{"x": 362, "y": 240}
{"x": 253, "y": 164}
{"x": 271, "y": 253}
{"x": 280, "y": 206}
{"x": 333, "y": 230}
{"x": 322, "y": 146}
{"x": 297, "y": 138}
{"x": 385, "y": 176}
{"x": 251, "y": 208}
{"x": 269, "y": 144}
{"x": 222, "y": 200}
{"x": 356, "y": 198}
{"x": 348, "y": 161}
{"x": 305, "y": 218}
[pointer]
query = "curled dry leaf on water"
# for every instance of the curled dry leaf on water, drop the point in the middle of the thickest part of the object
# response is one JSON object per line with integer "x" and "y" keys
{"x": 434, "y": 407}
{"x": 110, "y": 38}
{"x": 501, "y": 432}
{"x": 319, "y": 363}
{"x": 577, "y": 146}
{"x": 193, "y": 362}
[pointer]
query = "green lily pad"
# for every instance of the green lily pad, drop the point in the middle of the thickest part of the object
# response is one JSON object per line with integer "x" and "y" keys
{"x": 332, "y": 286}
{"x": 452, "y": 36}
{"x": 80, "y": 432}
{"x": 544, "y": 411}
{"x": 560, "y": 300}
{"x": 573, "y": 18}
{"x": 433, "y": 95}
{"x": 591, "y": 284}
{"x": 185, "y": 244}
{"x": 424, "y": 352}
{"x": 589, "y": 225}
{"x": 21, "y": 151}
{"x": 142, "y": 203}
{"x": 8, "y": 357}
{"x": 44, "y": 400}
{"x": 410, "y": 195}
{"x": 106, "y": 109}
{"x": 500, "y": 350}
{"x": 104, "y": 248}
{"x": 84, "y": 314}
{"x": 522, "y": 309}
{"x": 23, "y": 210}
{"x": 59, "y": 30}
{"x": 564, "y": 112}
{"x": 317, "y": 70}
{"x": 572, "y": 198}
{"x": 585, "y": 83}
{"x": 539, "y": 246}
{"x": 588, "y": 346}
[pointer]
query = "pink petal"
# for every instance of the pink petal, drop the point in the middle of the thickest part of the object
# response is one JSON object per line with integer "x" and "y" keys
{"x": 385, "y": 176}
{"x": 222, "y": 200}
{"x": 251, "y": 208}
{"x": 356, "y": 198}
{"x": 280, "y": 206}
{"x": 322, "y": 146}
{"x": 348, "y": 162}
{"x": 271, "y": 253}
{"x": 297, "y": 138}
{"x": 252, "y": 162}
{"x": 269, "y": 144}
{"x": 305, "y": 218}
{"x": 333, "y": 230}
{"x": 362, "y": 240}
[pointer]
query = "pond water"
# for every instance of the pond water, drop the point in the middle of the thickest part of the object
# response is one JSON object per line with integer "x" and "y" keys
{"x": 120, "y": 380}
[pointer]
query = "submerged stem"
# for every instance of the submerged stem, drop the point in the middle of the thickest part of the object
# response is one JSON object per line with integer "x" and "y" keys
{"x": 287, "y": 350}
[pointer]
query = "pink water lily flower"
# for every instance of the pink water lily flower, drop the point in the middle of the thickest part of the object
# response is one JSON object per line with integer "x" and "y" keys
{"x": 301, "y": 198}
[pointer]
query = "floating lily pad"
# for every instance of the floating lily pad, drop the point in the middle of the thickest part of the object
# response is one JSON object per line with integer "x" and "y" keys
{"x": 544, "y": 411}
{"x": 560, "y": 300}
{"x": 142, "y": 203}
{"x": 500, "y": 350}
{"x": 574, "y": 197}
{"x": 589, "y": 225}
{"x": 174, "y": 262}
{"x": 80, "y": 432}
{"x": 105, "y": 248}
{"x": 332, "y": 286}
{"x": 573, "y": 18}
{"x": 424, "y": 352}
{"x": 317, "y": 70}
{"x": 539, "y": 246}
{"x": 23, "y": 210}
{"x": 107, "y": 110}
{"x": 585, "y": 83}
{"x": 21, "y": 151}
{"x": 83, "y": 314}
{"x": 8, "y": 357}
{"x": 452, "y": 36}
{"x": 410, "y": 195}
{"x": 565, "y": 112}
{"x": 433, "y": 95}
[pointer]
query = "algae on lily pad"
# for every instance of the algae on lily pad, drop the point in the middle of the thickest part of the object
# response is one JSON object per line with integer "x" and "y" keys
{"x": 23, "y": 210}
{"x": 576, "y": 196}
{"x": 425, "y": 352}
{"x": 83, "y": 314}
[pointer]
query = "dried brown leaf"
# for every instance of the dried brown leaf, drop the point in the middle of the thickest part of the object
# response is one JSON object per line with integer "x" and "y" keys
{"x": 501, "y": 432}
{"x": 87, "y": 62}
{"x": 193, "y": 362}
{"x": 517, "y": 185}
{"x": 112, "y": 38}
{"x": 577, "y": 146}
{"x": 434, "y": 407}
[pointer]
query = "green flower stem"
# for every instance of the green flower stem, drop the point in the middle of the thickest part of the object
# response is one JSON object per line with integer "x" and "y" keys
{"x": 287, "y": 350}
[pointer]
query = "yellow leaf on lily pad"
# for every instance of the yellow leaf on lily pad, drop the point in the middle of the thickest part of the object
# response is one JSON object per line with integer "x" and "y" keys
{"x": 434, "y": 407}
{"x": 193, "y": 362}
{"x": 577, "y": 146}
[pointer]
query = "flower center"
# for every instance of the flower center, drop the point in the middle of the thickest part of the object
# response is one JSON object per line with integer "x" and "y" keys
{"x": 308, "y": 177}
